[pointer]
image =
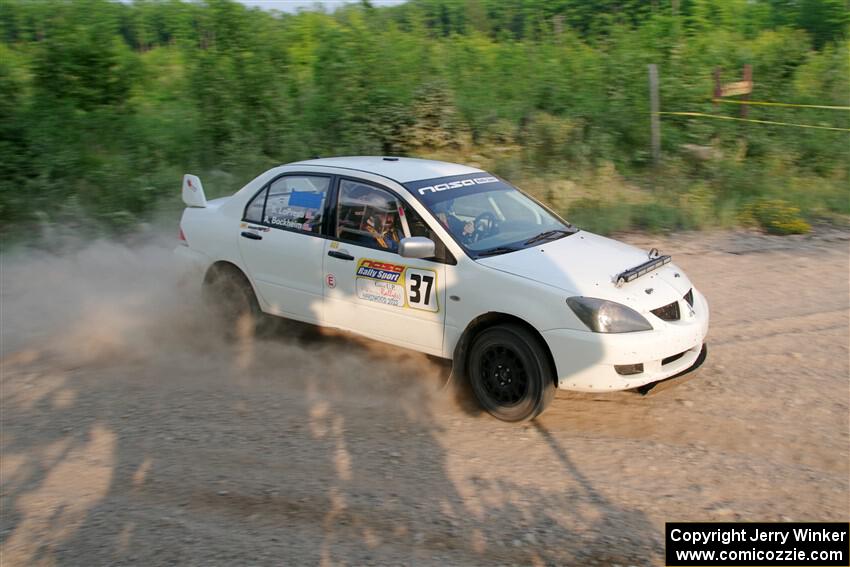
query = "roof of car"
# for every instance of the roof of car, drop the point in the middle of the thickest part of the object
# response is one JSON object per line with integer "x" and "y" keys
{"x": 399, "y": 169}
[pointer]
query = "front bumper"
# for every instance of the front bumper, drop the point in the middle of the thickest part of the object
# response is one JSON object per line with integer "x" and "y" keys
{"x": 585, "y": 361}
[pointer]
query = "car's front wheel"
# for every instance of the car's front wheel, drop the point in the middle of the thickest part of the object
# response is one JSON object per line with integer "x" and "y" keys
{"x": 510, "y": 373}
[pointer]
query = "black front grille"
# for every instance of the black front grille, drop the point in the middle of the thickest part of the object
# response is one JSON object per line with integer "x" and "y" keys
{"x": 672, "y": 358}
{"x": 669, "y": 312}
{"x": 689, "y": 297}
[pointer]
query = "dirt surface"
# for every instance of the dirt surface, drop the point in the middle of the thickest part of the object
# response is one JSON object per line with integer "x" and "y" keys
{"x": 133, "y": 434}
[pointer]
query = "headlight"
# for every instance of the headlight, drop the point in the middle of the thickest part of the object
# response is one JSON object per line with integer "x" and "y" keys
{"x": 603, "y": 316}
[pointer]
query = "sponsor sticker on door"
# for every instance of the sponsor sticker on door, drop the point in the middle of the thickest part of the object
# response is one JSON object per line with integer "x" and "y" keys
{"x": 382, "y": 271}
{"x": 376, "y": 291}
{"x": 396, "y": 285}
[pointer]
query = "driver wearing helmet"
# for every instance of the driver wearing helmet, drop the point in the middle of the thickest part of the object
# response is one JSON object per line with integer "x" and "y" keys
{"x": 381, "y": 225}
{"x": 456, "y": 226}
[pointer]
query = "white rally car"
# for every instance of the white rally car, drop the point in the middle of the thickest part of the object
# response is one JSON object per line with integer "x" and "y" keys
{"x": 451, "y": 261}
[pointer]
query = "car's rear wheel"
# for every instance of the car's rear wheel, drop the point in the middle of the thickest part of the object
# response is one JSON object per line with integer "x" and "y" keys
{"x": 231, "y": 299}
{"x": 510, "y": 373}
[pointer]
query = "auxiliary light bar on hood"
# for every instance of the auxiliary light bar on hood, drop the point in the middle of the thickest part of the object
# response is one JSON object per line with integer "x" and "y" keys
{"x": 655, "y": 261}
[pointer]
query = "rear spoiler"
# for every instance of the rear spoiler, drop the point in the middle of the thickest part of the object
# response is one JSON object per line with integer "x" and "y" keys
{"x": 193, "y": 191}
{"x": 632, "y": 274}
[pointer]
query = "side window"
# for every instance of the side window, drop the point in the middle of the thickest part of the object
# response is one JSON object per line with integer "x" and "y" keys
{"x": 368, "y": 216}
{"x": 254, "y": 211}
{"x": 296, "y": 202}
{"x": 418, "y": 227}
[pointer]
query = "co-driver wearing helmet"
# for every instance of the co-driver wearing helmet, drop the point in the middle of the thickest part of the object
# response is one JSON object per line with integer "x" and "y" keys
{"x": 381, "y": 225}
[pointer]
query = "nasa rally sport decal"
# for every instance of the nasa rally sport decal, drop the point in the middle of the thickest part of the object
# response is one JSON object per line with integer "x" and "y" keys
{"x": 431, "y": 191}
{"x": 396, "y": 285}
{"x": 458, "y": 184}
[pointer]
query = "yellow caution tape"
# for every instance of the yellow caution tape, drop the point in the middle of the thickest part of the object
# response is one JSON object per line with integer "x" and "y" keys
{"x": 763, "y": 103}
{"x": 700, "y": 114}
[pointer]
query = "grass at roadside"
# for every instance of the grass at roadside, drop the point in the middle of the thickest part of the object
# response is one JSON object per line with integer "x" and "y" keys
{"x": 679, "y": 195}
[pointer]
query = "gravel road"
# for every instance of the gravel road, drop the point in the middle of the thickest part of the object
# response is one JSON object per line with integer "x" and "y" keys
{"x": 133, "y": 435}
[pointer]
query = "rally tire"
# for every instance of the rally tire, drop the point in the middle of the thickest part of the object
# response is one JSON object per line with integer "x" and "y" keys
{"x": 233, "y": 303}
{"x": 510, "y": 373}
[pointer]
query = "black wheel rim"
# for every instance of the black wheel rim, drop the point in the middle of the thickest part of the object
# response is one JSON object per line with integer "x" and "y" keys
{"x": 503, "y": 375}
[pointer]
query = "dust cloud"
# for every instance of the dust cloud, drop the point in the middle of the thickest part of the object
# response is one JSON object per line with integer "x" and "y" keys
{"x": 111, "y": 303}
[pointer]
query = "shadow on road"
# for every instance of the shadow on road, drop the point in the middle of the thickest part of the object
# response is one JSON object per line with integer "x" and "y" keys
{"x": 154, "y": 442}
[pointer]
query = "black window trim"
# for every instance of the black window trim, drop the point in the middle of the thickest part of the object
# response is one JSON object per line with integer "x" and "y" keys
{"x": 323, "y": 230}
{"x": 448, "y": 260}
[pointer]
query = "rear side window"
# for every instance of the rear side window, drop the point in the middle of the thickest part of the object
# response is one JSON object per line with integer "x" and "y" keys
{"x": 254, "y": 212}
{"x": 295, "y": 202}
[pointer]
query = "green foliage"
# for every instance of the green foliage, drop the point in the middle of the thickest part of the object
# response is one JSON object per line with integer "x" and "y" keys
{"x": 657, "y": 217}
{"x": 609, "y": 217}
{"x": 433, "y": 123}
{"x": 552, "y": 141}
{"x": 103, "y": 104}
{"x": 596, "y": 215}
{"x": 698, "y": 206}
{"x": 81, "y": 61}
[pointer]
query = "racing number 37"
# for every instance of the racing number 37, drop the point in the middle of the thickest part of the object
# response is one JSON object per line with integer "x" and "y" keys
{"x": 420, "y": 289}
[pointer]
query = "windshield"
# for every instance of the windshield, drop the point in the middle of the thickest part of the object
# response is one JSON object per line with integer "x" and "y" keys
{"x": 487, "y": 216}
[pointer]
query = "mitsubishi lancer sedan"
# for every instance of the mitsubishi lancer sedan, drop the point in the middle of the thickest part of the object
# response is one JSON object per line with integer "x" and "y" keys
{"x": 451, "y": 261}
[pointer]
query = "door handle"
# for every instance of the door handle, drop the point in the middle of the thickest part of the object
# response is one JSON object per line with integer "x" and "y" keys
{"x": 252, "y": 235}
{"x": 340, "y": 255}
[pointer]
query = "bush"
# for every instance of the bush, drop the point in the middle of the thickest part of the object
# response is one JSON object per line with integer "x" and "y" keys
{"x": 550, "y": 141}
{"x": 777, "y": 216}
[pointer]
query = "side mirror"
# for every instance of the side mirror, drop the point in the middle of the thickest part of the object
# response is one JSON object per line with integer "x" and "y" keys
{"x": 416, "y": 247}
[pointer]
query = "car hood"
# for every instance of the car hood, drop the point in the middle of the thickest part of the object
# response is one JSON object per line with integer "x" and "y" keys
{"x": 587, "y": 264}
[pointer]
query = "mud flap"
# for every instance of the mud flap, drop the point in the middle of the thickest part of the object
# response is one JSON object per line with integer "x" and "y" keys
{"x": 684, "y": 376}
